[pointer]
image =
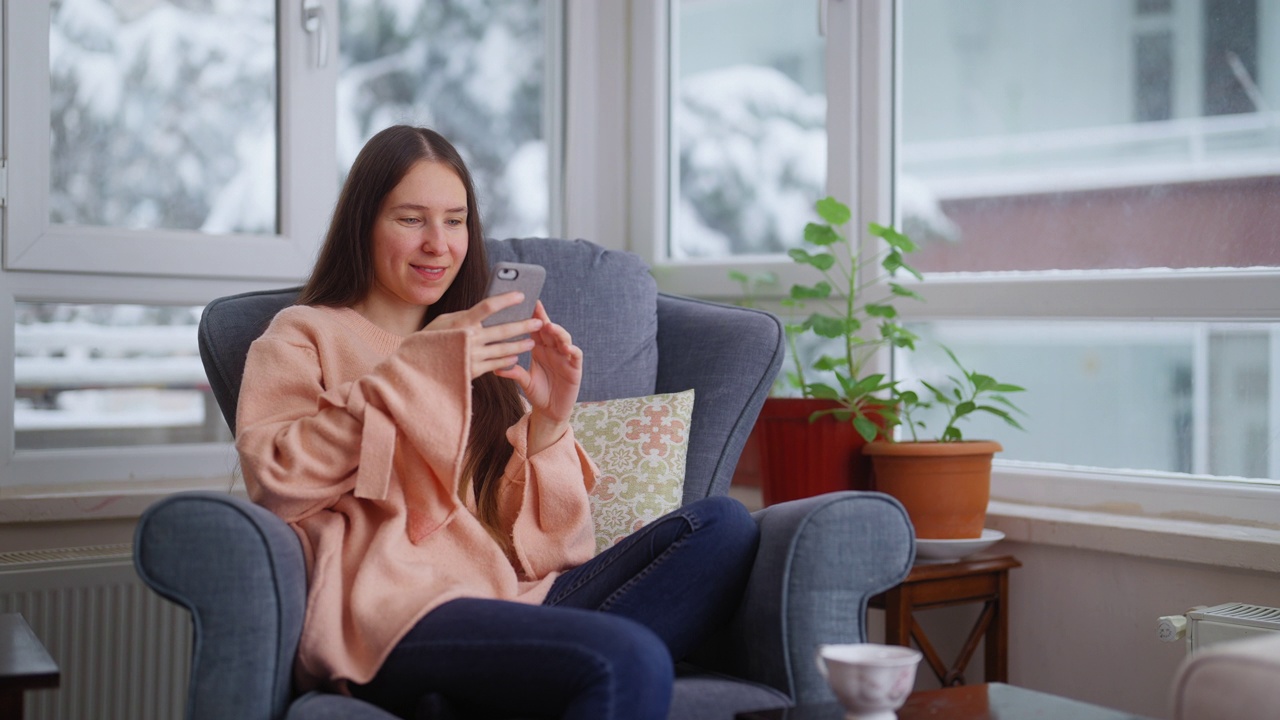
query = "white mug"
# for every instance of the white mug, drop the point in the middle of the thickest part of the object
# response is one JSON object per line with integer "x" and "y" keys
{"x": 870, "y": 680}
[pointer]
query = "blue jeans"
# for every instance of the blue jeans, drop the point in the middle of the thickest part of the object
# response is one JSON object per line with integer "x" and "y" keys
{"x": 602, "y": 645}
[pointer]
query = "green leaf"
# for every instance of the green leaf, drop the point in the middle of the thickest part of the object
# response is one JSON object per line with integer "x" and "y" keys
{"x": 1006, "y": 402}
{"x": 868, "y": 384}
{"x": 909, "y": 397}
{"x": 952, "y": 434}
{"x": 881, "y": 310}
{"x": 953, "y": 357}
{"x": 982, "y": 383}
{"x": 1006, "y": 387}
{"x": 938, "y": 395}
{"x": 895, "y": 239}
{"x": 831, "y": 327}
{"x": 833, "y": 211}
{"x": 822, "y": 391}
{"x": 898, "y": 336}
{"x": 867, "y": 429}
{"x": 822, "y": 261}
{"x": 901, "y": 291}
{"x": 821, "y": 235}
{"x": 963, "y": 408}
{"x": 739, "y": 276}
{"x": 891, "y": 417}
{"x": 826, "y": 362}
{"x": 806, "y": 292}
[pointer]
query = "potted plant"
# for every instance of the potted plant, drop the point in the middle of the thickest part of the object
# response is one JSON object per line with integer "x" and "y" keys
{"x": 811, "y": 444}
{"x": 945, "y": 482}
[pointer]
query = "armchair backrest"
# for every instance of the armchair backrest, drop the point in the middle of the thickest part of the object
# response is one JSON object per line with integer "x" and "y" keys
{"x": 610, "y": 304}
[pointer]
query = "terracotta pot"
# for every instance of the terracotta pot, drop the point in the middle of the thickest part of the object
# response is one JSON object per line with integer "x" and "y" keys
{"x": 800, "y": 459}
{"x": 944, "y": 486}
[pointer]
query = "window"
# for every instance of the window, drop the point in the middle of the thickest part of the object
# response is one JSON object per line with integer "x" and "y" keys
{"x": 756, "y": 112}
{"x": 1096, "y": 218}
{"x": 1125, "y": 223}
{"x": 148, "y": 135}
{"x": 193, "y": 150}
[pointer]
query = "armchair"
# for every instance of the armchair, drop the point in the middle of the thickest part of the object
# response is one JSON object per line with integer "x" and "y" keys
{"x": 239, "y": 569}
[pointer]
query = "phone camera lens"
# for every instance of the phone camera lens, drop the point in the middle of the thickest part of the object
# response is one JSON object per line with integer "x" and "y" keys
{"x": 508, "y": 274}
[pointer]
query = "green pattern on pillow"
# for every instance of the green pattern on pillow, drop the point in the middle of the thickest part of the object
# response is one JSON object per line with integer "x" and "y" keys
{"x": 640, "y": 445}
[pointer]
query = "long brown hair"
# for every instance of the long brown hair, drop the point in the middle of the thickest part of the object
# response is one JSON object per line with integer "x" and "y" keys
{"x": 343, "y": 276}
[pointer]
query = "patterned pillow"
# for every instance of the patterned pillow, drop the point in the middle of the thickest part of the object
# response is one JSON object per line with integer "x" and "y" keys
{"x": 640, "y": 445}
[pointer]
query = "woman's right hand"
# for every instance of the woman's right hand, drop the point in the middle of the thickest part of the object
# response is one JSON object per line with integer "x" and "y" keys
{"x": 491, "y": 347}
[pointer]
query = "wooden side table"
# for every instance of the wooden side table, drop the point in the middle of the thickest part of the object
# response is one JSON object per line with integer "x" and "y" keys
{"x": 976, "y": 580}
{"x": 24, "y": 664}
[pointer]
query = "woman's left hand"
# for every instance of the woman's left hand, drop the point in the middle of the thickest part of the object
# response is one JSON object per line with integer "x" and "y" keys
{"x": 551, "y": 382}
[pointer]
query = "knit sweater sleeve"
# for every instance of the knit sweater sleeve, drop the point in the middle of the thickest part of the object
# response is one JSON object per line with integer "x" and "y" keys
{"x": 307, "y": 435}
{"x": 544, "y": 506}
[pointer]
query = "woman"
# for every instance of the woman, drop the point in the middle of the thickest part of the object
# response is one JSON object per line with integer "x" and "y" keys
{"x": 444, "y": 519}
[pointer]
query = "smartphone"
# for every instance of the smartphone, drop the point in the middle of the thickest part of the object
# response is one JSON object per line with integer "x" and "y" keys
{"x": 508, "y": 276}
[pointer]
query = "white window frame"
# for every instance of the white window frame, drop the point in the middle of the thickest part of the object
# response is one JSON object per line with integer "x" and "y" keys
{"x": 306, "y": 171}
{"x": 44, "y": 262}
{"x": 1032, "y": 501}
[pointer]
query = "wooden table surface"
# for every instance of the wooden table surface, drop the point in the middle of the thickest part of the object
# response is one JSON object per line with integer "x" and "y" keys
{"x": 987, "y": 701}
{"x": 24, "y": 664}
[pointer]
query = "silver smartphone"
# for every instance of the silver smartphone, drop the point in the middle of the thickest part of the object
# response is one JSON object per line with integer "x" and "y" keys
{"x": 508, "y": 276}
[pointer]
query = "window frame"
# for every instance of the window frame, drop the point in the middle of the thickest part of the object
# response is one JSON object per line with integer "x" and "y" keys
{"x": 305, "y": 165}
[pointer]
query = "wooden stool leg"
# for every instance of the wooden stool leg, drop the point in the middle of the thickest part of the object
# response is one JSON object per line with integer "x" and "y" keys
{"x": 11, "y": 704}
{"x": 897, "y": 617}
{"x": 996, "y": 667}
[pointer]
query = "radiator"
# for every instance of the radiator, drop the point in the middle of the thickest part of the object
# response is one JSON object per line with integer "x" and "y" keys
{"x": 1206, "y": 626}
{"x": 123, "y": 651}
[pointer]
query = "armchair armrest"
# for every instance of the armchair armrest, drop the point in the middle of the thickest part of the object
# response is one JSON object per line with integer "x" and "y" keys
{"x": 1233, "y": 680}
{"x": 730, "y": 356}
{"x": 820, "y": 560}
{"x": 239, "y": 570}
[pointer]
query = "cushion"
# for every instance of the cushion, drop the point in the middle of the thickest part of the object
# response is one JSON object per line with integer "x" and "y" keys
{"x": 607, "y": 300}
{"x": 639, "y": 445}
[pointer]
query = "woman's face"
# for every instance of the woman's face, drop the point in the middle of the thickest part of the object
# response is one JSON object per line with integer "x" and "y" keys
{"x": 419, "y": 243}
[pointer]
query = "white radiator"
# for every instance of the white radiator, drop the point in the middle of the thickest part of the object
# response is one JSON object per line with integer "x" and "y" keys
{"x": 123, "y": 651}
{"x": 1210, "y": 625}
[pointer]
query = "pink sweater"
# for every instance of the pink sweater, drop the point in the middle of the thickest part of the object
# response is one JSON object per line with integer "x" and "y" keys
{"x": 355, "y": 437}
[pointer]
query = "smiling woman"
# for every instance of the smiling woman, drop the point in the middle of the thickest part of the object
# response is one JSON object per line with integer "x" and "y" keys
{"x": 419, "y": 244}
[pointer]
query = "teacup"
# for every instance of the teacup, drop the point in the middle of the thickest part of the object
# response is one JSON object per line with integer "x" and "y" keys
{"x": 870, "y": 680}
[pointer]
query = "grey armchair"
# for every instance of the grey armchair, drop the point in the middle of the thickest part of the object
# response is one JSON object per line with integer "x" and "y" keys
{"x": 239, "y": 569}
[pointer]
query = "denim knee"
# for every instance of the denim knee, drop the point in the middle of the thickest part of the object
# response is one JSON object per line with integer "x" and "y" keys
{"x": 734, "y": 526}
{"x": 636, "y": 664}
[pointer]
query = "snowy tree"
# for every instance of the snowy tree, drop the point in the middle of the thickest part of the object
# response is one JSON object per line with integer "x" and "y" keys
{"x": 752, "y": 149}
{"x": 469, "y": 69}
{"x": 163, "y": 114}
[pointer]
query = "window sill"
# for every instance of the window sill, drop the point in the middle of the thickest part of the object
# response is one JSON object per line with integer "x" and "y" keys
{"x": 34, "y": 504}
{"x": 1231, "y": 546}
{"x": 1176, "y": 518}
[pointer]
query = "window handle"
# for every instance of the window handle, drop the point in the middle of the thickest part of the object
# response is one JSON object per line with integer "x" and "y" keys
{"x": 313, "y": 23}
